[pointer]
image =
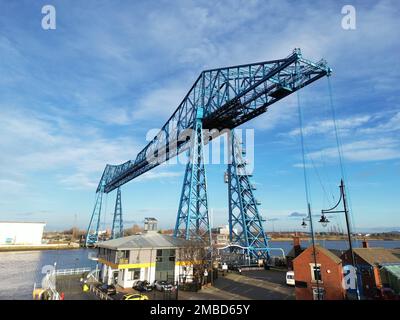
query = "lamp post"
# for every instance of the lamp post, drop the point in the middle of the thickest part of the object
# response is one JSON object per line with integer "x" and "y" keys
{"x": 324, "y": 221}
{"x": 304, "y": 225}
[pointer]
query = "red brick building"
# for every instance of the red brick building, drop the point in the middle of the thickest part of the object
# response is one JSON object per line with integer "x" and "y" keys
{"x": 328, "y": 271}
{"x": 369, "y": 262}
{"x": 294, "y": 252}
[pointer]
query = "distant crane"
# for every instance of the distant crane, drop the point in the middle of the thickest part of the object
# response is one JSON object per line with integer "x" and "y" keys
{"x": 219, "y": 99}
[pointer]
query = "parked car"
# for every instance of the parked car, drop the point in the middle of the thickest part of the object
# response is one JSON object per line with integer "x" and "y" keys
{"x": 290, "y": 278}
{"x": 163, "y": 285}
{"x": 108, "y": 289}
{"x": 135, "y": 296}
{"x": 143, "y": 286}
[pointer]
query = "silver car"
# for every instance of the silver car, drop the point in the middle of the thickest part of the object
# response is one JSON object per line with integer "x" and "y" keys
{"x": 163, "y": 285}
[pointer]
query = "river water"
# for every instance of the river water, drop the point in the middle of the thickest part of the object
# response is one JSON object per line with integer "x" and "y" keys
{"x": 20, "y": 270}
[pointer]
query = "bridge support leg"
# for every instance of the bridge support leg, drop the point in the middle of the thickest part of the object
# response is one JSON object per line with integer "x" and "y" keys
{"x": 118, "y": 225}
{"x": 92, "y": 234}
{"x": 245, "y": 222}
{"x": 192, "y": 221}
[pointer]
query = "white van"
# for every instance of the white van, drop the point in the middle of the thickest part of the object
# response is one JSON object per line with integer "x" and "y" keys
{"x": 290, "y": 278}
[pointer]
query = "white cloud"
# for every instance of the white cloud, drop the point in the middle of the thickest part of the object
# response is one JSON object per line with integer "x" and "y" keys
{"x": 30, "y": 144}
{"x": 345, "y": 126}
{"x": 159, "y": 104}
{"x": 364, "y": 150}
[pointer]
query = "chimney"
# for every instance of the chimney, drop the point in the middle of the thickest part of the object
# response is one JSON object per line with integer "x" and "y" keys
{"x": 365, "y": 244}
{"x": 296, "y": 245}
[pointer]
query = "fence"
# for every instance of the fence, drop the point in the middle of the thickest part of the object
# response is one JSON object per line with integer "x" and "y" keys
{"x": 65, "y": 272}
{"x": 49, "y": 280}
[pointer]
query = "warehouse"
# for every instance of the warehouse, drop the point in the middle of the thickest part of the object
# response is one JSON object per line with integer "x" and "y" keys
{"x": 21, "y": 233}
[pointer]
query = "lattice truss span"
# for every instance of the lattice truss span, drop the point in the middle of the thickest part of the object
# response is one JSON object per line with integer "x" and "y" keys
{"x": 226, "y": 98}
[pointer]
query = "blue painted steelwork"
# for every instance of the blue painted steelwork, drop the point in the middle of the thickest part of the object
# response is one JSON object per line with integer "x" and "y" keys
{"x": 192, "y": 221}
{"x": 228, "y": 97}
{"x": 245, "y": 222}
{"x": 92, "y": 234}
{"x": 117, "y": 230}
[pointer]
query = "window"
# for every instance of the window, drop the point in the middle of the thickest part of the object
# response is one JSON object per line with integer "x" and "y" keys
{"x": 159, "y": 252}
{"x": 318, "y": 293}
{"x": 134, "y": 274}
{"x": 122, "y": 256}
{"x": 315, "y": 272}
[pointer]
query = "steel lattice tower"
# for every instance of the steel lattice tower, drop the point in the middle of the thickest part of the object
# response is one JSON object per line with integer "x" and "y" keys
{"x": 245, "y": 222}
{"x": 92, "y": 234}
{"x": 118, "y": 225}
{"x": 192, "y": 220}
{"x": 221, "y": 98}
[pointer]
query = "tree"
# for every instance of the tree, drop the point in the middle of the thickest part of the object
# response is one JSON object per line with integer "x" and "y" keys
{"x": 193, "y": 256}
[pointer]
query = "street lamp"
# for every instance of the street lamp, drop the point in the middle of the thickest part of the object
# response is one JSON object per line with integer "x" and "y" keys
{"x": 324, "y": 221}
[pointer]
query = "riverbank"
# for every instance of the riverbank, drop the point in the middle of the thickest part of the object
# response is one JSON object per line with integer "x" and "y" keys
{"x": 54, "y": 246}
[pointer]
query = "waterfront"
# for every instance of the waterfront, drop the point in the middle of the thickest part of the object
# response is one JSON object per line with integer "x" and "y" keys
{"x": 20, "y": 270}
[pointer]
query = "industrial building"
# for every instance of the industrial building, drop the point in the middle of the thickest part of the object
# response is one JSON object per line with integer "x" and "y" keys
{"x": 147, "y": 256}
{"x": 21, "y": 233}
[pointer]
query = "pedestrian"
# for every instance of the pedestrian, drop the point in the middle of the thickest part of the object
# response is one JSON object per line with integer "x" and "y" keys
{"x": 205, "y": 278}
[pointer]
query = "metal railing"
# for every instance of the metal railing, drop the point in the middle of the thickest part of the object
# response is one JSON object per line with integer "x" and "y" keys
{"x": 64, "y": 272}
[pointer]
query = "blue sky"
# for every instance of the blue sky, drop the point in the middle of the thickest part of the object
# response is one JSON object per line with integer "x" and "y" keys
{"x": 85, "y": 94}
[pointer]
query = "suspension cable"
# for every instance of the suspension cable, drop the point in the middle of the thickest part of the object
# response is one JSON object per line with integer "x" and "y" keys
{"x": 306, "y": 183}
{"x": 308, "y": 197}
{"x": 325, "y": 193}
{"x": 339, "y": 149}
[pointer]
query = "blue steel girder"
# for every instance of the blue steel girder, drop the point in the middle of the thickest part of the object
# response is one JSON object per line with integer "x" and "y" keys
{"x": 229, "y": 97}
{"x": 245, "y": 222}
{"x": 117, "y": 230}
{"x": 92, "y": 234}
{"x": 192, "y": 222}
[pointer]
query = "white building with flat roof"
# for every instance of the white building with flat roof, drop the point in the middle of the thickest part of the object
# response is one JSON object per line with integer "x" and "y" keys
{"x": 21, "y": 233}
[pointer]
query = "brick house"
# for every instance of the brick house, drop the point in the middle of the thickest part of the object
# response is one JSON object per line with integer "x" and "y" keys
{"x": 369, "y": 262}
{"x": 328, "y": 271}
{"x": 294, "y": 252}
